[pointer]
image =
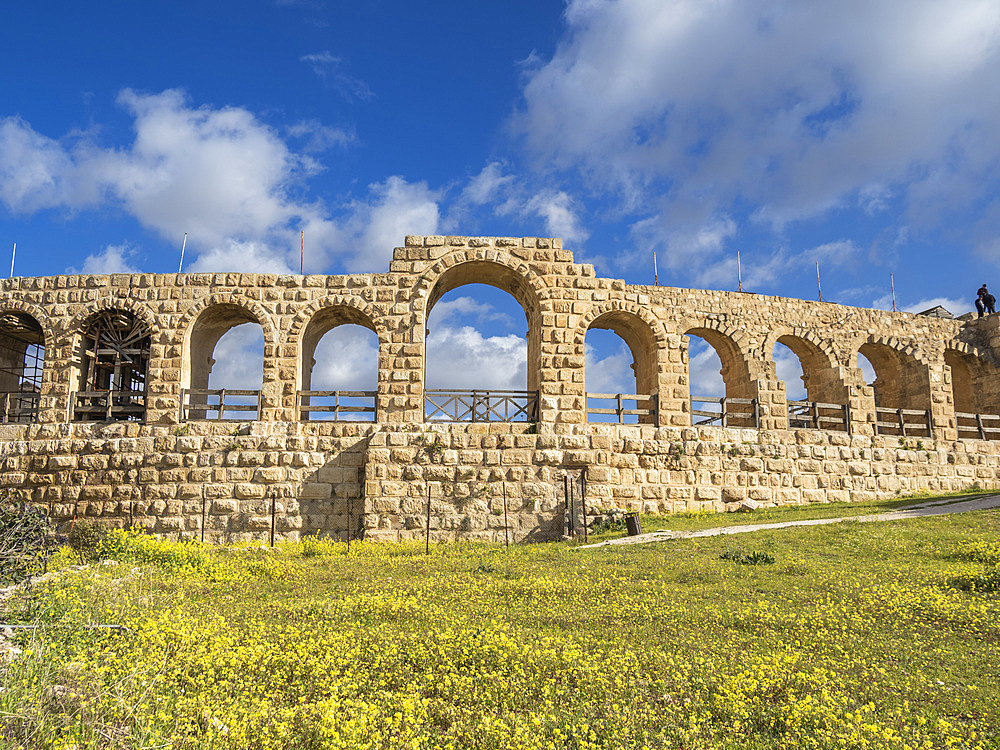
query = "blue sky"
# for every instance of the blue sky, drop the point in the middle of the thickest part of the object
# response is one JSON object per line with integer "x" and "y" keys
{"x": 862, "y": 135}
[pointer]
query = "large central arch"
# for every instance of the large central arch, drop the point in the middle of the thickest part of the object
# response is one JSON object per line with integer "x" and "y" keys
{"x": 517, "y": 282}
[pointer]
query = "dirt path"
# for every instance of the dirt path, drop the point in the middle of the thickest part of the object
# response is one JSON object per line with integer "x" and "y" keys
{"x": 935, "y": 508}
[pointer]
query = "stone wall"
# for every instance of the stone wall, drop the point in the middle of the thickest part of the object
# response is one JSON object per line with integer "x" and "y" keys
{"x": 372, "y": 479}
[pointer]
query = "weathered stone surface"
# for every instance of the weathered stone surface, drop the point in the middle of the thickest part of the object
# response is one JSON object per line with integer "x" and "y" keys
{"x": 338, "y": 478}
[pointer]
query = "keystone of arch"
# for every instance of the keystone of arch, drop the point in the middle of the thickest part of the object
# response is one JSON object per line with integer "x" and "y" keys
{"x": 15, "y": 304}
{"x": 302, "y": 319}
{"x": 430, "y": 277}
{"x": 822, "y": 346}
{"x": 254, "y": 308}
{"x": 738, "y": 336}
{"x": 971, "y": 350}
{"x": 891, "y": 342}
{"x": 597, "y": 310}
{"x": 114, "y": 302}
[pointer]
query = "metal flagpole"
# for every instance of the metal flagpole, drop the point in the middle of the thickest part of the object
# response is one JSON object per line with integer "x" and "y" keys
{"x": 12, "y": 254}
{"x": 819, "y": 287}
{"x": 302, "y": 250}
{"x": 892, "y": 285}
{"x": 183, "y": 245}
{"x": 739, "y": 272}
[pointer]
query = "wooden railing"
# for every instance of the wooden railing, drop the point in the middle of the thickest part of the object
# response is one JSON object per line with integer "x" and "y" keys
{"x": 977, "y": 426}
{"x": 818, "y": 416}
{"x": 19, "y": 407}
{"x": 446, "y": 405}
{"x": 107, "y": 406}
{"x": 227, "y": 404}
{"x": 903, "y": 422}
{"x": 344, "y": 406}
{"x": 651, "y": 408}
{"x": 731, "y": 412}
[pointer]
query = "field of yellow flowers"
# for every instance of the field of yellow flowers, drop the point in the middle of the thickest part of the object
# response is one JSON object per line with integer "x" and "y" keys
{"x": 858, "y": 636}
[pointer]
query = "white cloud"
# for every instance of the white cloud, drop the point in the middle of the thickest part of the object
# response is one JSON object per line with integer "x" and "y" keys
{"x": 484, "y": 187}
{"x": 704, "y": 369}
{"x": 248, "y": 257}
{"x": 393, "y": 209}
{"x": 448, "y": 310}
{"x": 346, "y": 360}
{"x": 690, "y": 110}
{"x": 219, "y": 174}
{"x": 955, "y": 306}
{"x": 112, "y": 259}
{"x": 331, "y": 69}
{"x": 461, "y": 357}
{"x": 560, "y": 213}
{"x": 239, "y": 360}
{"x": 789, "y": 369}
{"x": 609, "y": 374}
{"x": 320, "y": 137}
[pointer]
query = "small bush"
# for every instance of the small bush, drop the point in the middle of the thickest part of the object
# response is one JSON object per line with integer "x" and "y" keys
{"x": 984, "y": 582}
{"x": 978, "y": 550}
{"x": 86, "y": 539}
{"x": 613, "y": 520}
{"x": 23, "y": 550}
{"x": 314, "y": 546}
{"x": 743, "y": 557}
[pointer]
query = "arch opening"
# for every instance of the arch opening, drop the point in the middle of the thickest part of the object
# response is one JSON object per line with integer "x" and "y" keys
{"x": 224, "y": 365}
{"x": 22, "y": 357}
{"x": 816, "y": 394}
{"x": 481, "y": 349}
{"x": 620, "y": 370}
{"x": 338, "y": 367}
{"x": 975, "y": 395}
{"x": 114, "y": 361}
{"x": 725, "y": 396}
{"x": 902, "y": 390}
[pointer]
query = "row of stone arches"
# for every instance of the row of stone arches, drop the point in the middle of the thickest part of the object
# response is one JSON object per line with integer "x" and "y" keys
{"x": 555, "y": 343}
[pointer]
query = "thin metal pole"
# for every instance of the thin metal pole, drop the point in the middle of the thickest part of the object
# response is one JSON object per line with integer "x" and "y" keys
{"x": 183, "y": 245}
{"x": 506, "y": 538}
{"x": 273, "y": 493}
{"x": 739, "y": 272}
{"x": 427, "y": 536}
{"x": 892, "y": 285}
{"x": 819, "y": 288}
{"x": 656, "y": 276}
{"x": 566, "y": 501}
{"x": 302, "y": 251}
{"x": 12, "y": 254}
{"x": 203, "y": 501}
{"x": 583, "y": 502}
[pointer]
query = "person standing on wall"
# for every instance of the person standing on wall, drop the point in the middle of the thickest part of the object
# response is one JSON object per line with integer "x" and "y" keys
{"x": 980, "y": 304}
{"x": 989, "y": 301}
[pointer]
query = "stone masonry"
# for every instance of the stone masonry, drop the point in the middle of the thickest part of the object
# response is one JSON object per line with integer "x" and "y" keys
{"x": 372, "y": 479}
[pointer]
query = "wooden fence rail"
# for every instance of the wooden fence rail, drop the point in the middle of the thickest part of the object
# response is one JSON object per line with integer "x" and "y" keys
{"x": 198, "y": 403}
{"x": 818, "y": 416}
{"x": 19, "y": 407}
{"x": 332, "y": 403}
{"x": 904, "y": 422}
{"x": 977, "y": 426}
{"x": 108, "y": 406}
{"x": 449, "y": 405}
{"x": 732, "y": 412}
{"x": 650, "y": 410}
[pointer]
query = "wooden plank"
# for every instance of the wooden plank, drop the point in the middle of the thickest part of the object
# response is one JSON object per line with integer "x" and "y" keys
{"x": 625, "y": 396}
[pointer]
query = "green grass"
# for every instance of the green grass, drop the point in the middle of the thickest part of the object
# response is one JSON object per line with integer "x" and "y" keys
{"x": 852, "y": 638}
{"x": 698, "y": 520}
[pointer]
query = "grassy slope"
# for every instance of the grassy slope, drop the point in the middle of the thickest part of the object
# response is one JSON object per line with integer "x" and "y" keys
{"x": 851, "y": 639}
